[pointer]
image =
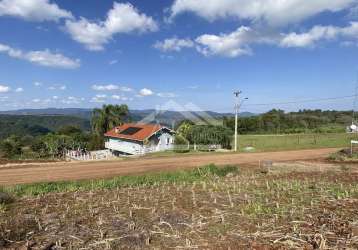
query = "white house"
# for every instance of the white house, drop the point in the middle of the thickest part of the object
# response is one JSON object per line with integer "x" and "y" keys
{"x": 139, "y": 139}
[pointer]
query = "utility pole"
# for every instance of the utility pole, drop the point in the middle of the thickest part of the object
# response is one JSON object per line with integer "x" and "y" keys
{"x": 237, "y": 107}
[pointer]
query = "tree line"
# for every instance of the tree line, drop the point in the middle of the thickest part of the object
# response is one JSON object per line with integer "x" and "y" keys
{"x": 304, "y": 121}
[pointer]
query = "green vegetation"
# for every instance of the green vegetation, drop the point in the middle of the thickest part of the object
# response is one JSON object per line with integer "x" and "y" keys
{"x": 295, "y": 141}
{"x": 186, "y": 176}
{"x": 30, "y": 125}
{"x": 51, "y": 145}
{"x": 344, "y": 155}
{"x": 304, "y": 121}
{"x": 44, "y": 137}
{"x": 105, "y": 119}
{"x": 187, "y": 132}
{"x": 108, "y": 117}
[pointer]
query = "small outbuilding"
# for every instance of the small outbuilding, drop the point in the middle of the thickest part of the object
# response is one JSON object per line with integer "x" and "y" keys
{"x": 139, "y": 139}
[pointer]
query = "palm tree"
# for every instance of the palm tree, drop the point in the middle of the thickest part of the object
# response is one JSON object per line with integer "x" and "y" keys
{"x": 108, "y": 117}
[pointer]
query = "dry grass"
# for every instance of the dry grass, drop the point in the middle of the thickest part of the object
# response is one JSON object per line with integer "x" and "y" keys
{"x": 278, "y": 210}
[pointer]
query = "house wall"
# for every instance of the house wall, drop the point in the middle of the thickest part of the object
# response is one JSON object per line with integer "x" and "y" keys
{"x": 164, "y": 141}
{"x": 129, "y": 147}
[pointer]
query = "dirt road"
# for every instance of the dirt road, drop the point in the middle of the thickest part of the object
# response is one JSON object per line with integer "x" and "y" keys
{"x": 106, "y": 169}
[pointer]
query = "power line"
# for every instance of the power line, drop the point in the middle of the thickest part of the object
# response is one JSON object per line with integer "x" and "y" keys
{"x": 302, "y": 101}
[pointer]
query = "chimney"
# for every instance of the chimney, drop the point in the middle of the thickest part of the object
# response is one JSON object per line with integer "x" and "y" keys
{"x": 116, "y": 130}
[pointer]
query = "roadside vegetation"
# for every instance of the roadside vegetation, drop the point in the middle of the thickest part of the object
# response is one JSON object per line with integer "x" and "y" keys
{"x": 345, "y": 155}
{"x": 188, "y": 176}
{"x": 210, "y": 208}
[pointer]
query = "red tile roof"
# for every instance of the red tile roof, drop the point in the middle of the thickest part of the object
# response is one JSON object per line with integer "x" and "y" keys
{"x": 146, "y": 131}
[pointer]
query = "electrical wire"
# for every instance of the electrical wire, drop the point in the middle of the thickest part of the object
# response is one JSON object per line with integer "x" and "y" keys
{"x": 302, "y": 101}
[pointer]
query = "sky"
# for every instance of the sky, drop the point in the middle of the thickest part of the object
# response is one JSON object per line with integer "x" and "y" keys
{"x": 179, "y": 54}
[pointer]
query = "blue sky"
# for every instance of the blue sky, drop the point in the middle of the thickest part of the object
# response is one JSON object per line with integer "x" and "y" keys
{"x": 85, "y": 53}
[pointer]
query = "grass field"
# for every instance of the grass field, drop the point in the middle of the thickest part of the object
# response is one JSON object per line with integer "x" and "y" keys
{"x": 267, "y": 143}
{"x": 297, "y": 141}
{"x": 289, "y": 207}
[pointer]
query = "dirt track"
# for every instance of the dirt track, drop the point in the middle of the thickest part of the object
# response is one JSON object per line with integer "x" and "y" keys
{"x": 106, "y": 169}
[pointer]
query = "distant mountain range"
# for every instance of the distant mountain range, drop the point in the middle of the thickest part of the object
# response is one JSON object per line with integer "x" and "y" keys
{"x": 149, "y": 115}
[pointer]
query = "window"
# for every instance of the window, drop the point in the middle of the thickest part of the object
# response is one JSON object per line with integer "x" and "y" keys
{"x": 168, "y": 141}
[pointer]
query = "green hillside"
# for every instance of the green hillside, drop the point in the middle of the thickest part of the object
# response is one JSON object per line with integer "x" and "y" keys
{"x": 37, "y": 125}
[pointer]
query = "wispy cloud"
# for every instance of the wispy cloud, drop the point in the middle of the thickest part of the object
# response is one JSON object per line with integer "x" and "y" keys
{"x": 111, "y": 87}
{"x": 167, "y": 95}
{"x": 58, "y": 87}
{"x": 41, "y": 57}
{"x": 173, "y": 44}
{"x": 33, "y": 10}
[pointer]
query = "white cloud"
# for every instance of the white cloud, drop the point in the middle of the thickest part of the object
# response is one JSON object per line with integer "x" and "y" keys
{"x": 41, "y": 57}
{"x": 228, "y": 45}
{"x": 33, "y": 10}
{"x": 125, "y": 89}
{"x": 145, "y": 92}
{"x": 36, "y": 100}
{"x": 58, "y": 87}
{"x": 122, "y": 98}
{"x": 105, "y": 87}
{"x": 71, "y": 100}
{"x": 111, "y": 87}
{"x": 122, "y": 18}
{"x": 18, "y": 90}
{"x": 173, "y": 44}
{"x": 37, "y": 84}
{"x": 99, "y": 98}
{"x": 239, "y": 42}
{"x": 273, "y": 12}
{"x": 232, "y": 44}
{"x": 317, "y": 33}
{"x": 4, "y": 88}
{"x": 166, "y": 95}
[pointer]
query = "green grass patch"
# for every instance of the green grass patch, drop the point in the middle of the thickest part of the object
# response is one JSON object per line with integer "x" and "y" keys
{"x": 187, "y": 176}
{"x": 296, "y": 141}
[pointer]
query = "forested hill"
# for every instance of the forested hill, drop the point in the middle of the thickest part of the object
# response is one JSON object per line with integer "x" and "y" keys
{"x": 21, "y": 125}
{"x": 164, "y": 117}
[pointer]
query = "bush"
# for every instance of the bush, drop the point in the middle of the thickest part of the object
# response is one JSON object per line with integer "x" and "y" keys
{"x": 10, "y": 148}
{"x": 181, "y": 150}
{"x": 180, "y": 140}
{"x": 5, "y": 198}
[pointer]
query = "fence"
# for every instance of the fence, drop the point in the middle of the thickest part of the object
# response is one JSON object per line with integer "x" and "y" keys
{"x": 77, "y": 155}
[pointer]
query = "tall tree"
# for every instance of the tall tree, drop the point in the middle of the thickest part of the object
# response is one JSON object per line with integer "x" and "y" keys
{"x": 108, "y": 117}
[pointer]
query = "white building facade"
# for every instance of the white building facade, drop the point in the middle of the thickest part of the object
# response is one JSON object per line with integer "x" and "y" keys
{"x": 139, "y": 139}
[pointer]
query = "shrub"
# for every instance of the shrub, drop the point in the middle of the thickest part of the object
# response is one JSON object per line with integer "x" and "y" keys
{"x": 5, "y": 198}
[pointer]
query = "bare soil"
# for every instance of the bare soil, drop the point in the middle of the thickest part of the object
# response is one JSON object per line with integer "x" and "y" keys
{"x": 297, "y": 208}
{"x": 46, "y": 172}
